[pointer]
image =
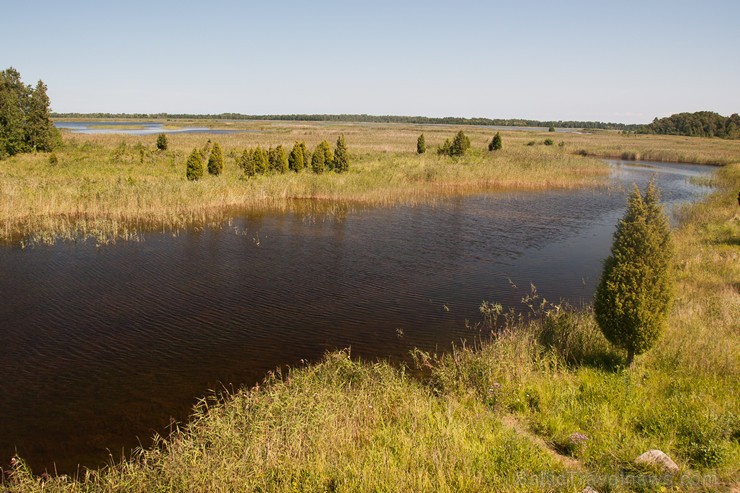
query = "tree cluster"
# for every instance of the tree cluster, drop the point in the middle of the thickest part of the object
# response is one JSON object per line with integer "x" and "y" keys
{"x": 275, "y": 160}
{"x": 455, "y": 148}
{"x": 25, "y": 116}
{"x": 699, "y": 124}
{"x": 634, "y": 295}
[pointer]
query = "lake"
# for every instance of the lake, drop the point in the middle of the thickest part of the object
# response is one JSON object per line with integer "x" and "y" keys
{"x": 101, "y": 346}
{"x": 141, "y": 128}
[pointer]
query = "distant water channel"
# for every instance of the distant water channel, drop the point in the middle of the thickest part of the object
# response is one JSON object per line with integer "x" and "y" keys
{"x": 135, "y": 128}
{"x": 101, "y": 346}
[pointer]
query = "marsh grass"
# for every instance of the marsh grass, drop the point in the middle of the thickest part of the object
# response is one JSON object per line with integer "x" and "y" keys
{"x": 537, "y": 401}
{"x": 110, "y": 187}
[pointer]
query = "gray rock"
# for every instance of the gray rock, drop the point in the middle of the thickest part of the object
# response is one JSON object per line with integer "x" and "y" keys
{"x": 657, "y": 459}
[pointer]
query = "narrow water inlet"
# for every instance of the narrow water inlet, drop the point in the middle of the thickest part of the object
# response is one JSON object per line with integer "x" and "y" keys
{"x": 101, "y": 346}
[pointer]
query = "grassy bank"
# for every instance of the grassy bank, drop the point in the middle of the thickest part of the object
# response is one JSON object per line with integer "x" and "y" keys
{"x": 545, "y": 406}
{"x": 111, "y": 187}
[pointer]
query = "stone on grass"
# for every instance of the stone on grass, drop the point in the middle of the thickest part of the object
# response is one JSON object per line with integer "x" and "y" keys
{"x": 657, "y": 459}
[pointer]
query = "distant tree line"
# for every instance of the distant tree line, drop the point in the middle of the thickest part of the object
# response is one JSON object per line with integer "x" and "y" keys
{"x": 25, "y": 116}
{"x": 699, "y": 124}
{"x": 363, "y": 118}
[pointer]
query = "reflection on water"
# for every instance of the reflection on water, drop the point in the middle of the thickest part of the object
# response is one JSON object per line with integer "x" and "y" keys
{"x": 101, "y": 345}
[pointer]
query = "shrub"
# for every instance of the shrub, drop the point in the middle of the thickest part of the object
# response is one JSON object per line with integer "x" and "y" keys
{"x": 421, "y": 145}
{"x": 53, "y": 159}
{"x": 246, "y": 163}
{"x": 296, "y": 159}
{"x": 260, "y": 160}
{"x": 551, "y": 129}
{"x": 496, "y": 143}
{"x": 635, "y": 291}
{"x": 322, "y": 157}
{"x": 457, "y": 148}
{"x": 278, "y": 159}
{"x": 341, "y": 158}
{"x": 162, "y": 142}
{"x": 216, "y": 160}
{"x": 549, "y": 142}
{"x": 194, "y": 165}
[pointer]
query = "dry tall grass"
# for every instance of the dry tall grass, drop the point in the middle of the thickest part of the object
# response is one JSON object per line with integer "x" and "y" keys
{"x": 118, "y": 186}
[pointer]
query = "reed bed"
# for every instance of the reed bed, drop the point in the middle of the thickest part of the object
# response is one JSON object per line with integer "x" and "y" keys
{"x": 111, "y": 187}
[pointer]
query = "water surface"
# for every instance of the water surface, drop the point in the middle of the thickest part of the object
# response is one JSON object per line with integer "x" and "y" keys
{"x": 142, "y": 128}
{"x": 101, "y": 346}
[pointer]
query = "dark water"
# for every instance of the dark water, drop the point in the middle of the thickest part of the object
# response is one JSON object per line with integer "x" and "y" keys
{"x": 101, "y": 346}
{"x": 147, "y": 128}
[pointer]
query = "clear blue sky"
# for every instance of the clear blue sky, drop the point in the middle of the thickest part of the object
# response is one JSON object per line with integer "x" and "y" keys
{"x": 623, "y": 61}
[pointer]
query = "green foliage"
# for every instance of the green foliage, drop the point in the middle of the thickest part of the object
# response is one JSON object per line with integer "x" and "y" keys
{"x": 278, "y": 159}
{"x": 296, "y": 159}
{"x": 260, "y": 160}
{"x": 445, "y": 149}
{"x": 53, "y": 159}
{"x": 194, "y": 165}
{"x": 496, "y": 143}
{"x": 421, "y": 145}
{"x": 549, "y": 142}
{"x": 322, "y": 158}
{"x": 551, "y": 129}
{"x": 457, "y": 148}
{"x": 216, "y": 160}
{"x": 162, "y": 142}
{"x": 246, "y": 163}
{"x": 634, "y": 295}
{"x": 341, "y": 157}
{"x": 699, "y": 124}
{"x": 25, "y": 116}
{"x": 460, "y": 144}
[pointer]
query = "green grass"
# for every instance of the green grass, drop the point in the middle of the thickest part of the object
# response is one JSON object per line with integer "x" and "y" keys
{"x": 545, "y": 404}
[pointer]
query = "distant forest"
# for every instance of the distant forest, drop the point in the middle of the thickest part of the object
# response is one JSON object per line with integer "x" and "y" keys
{"x": 366, "y": 119}
{"x": 699, "y": 124}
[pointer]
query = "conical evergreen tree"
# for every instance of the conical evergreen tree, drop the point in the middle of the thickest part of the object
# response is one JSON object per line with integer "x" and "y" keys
{"x": 162, "y": 142}
{"x": 306, "y": 155}
{"x": 634, "y": 295}
{"x": 460, "y": 144}
{"x": 246, "y": 163}
{"x": 261, "y": 162}
{"x": 496, "y": 143}
{"x": 318, "y": 161}
{"x": 278, "y": 159}
{"x": 296, "y": 160}
{"x": 216, "y": 160}
{"x": 194, "y": 165}
{"x": 322, "y": 159}
{"x": 341, "y": 157}
{"x": 421, "y": 145}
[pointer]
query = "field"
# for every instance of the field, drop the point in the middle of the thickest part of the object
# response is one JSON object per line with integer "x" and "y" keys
{"x": 544, "y": 405}
{"x": 111, "y": 187}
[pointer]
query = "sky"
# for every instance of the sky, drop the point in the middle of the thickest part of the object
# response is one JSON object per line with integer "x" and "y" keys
{"x": 626, "y": 61}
